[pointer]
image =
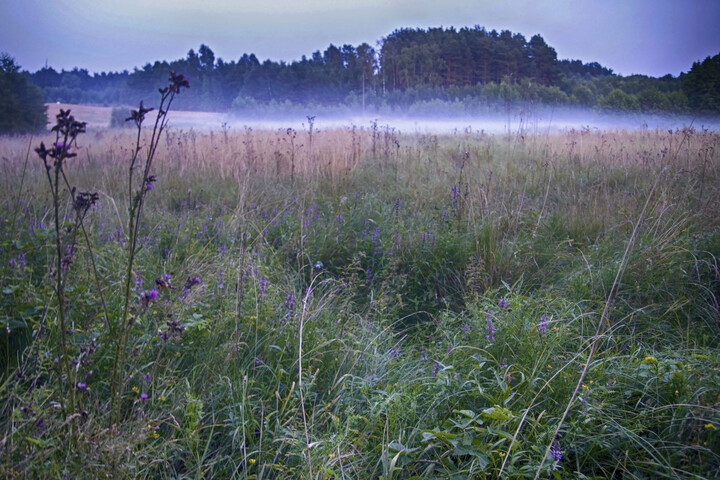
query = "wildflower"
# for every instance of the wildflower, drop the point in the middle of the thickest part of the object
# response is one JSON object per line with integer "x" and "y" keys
{"x": 263, "y": 284}
{"x": 395, "y": 353}
{"x": 147, "y": 378}
{"x": 136, "y": 389}
{"x": 252, "y": 461}
{"x": 543, "y": 325}
{"x": 710, "y": 426}
{"x": 21, "y": 260}
{"x": 339, "y": 218}
{"x": 221, "y": 280}
{"x": 143, "y": 396}
{"x": 81, "y": 386}
{"x": 151, "y": 295}
{"x": 455, "y": 193}
{"x": 650, "y": 361}
{"x": 556, "y": 451}
{"x": 290, "y": 302}
{"x": 258, "y": 360}
{"x": 13, "y": 263}
{"x": 436, "y": 368}
{"x": 502, "y": 303}
{"x": 191, "y": 282}
{"x": 490, "y": 328}
{"x": 318, "y": 265}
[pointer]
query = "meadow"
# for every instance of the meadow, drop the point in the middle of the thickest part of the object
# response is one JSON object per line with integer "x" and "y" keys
{"x": 360, "y": 303}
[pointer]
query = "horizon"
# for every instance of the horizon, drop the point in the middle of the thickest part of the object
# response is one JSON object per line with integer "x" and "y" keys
{"x": 101, "y": 37}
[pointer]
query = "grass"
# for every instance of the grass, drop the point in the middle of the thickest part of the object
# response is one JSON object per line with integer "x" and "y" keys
{"x": 370, "y": 304}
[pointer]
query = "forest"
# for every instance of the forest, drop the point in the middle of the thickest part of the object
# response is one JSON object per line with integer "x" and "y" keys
{"x": 409, "y": 66}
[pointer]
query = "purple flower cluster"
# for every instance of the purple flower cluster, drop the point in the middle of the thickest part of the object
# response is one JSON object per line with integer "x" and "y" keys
{"x": 290, "y": 302}
{"x": 490, "y": 327}
{"x": 502, "y": 303}
{"x": 542, "y": 328}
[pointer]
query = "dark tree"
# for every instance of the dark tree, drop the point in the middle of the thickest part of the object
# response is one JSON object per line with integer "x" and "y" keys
{"x": 22, "y": 104}
{"x": 702, "y": 85}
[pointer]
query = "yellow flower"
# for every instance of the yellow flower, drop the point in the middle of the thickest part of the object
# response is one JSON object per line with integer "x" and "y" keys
{"x": 252, "y": 461}
{"x": 136, "y": 389}
{"x": 156, "y": 435}
{"x": 710, "y": 426}
{"x": 502, "y": 454}
{"x": 585, "y": 387}
{"x": 162, "y": 398}
{"x": 650, "y": 361}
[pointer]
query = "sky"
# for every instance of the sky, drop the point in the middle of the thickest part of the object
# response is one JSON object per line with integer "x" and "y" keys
{"x": 649, "y": 37}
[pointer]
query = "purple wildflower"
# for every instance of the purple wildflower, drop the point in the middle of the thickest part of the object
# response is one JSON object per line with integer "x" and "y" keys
{"x": 13, "y": 263}
{"x": 290, "y": 302}
{"x": 502, "y": 303}
{"x": 143, "y": 396}
{"x": 21, "y": 260}
{"x": 81, "y": 386}
{"x": 436, "y": 368}
{"x": 150, "y": 295}
{"x": 221, "y": 280}
{"x": 490, "y": 328}
{"x": 149, "y": 186}
{"x": 258, "y": 360}
{"x": 556, "y": 451}
{"x": 147, "y": 378}
{"x": 543, "y": 325}
{"x": 339, "y": 218}
{"x": 455, "y": 192}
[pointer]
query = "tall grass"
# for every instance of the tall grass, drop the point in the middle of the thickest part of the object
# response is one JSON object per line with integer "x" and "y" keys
{"x": 361, "y": 303}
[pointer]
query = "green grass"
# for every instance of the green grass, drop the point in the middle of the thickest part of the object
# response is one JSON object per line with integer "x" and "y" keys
{"x": 395, "y": 358}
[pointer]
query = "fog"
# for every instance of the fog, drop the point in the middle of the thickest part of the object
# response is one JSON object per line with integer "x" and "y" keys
{"x": 528, "y": 122}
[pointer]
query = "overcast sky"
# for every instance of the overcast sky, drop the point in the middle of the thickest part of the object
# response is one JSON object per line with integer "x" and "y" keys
{"x": 651, "y": 37}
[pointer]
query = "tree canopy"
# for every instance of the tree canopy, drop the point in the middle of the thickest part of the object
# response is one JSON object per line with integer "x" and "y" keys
{"x": 22, "y": 107}
{"x": 471, "y": 66}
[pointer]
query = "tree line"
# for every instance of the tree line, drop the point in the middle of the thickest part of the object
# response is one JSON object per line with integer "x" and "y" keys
{"x": 471, "y": 68}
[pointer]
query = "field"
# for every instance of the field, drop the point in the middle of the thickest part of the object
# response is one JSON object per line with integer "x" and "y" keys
{"x": 359, "y": 303}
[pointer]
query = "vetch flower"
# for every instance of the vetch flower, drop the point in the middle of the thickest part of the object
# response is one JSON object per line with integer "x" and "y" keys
{"x": 556, "y": 451}
{"x": 490, "y": 327}
{"x": 543, "y": 325}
